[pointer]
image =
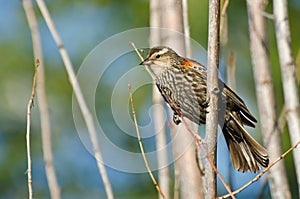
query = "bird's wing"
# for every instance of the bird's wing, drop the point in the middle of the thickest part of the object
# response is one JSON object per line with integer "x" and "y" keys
{"x": 237, "y": 101}
{"x": 240, "y": 105}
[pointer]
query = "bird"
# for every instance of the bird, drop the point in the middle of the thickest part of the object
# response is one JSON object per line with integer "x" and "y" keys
{"x": 182, "y": 83}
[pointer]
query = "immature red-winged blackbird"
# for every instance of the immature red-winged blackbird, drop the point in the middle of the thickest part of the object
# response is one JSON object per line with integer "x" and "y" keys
{"x": 182, "y": 83}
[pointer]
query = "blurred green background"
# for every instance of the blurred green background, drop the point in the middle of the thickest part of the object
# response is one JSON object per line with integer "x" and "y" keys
{"x": 82, "y": 25}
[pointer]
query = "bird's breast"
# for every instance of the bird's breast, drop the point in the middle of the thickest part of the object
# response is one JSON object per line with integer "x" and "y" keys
{"x": 185, "y": 92}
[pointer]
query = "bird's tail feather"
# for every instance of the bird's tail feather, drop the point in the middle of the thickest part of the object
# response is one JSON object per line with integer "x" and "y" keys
{"x": 246, "y": 153}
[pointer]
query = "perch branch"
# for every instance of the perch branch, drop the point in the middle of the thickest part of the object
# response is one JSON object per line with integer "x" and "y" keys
{"x": 212, "y": 95}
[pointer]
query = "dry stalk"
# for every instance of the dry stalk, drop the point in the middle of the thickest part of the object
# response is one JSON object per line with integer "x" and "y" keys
{"x": 212, "y": 95}
{"x": 42, "y": 101}
{"x": 88, "y": 118}
{"x": 29, "y": 106}
{"x": 141, "y": 146}
{"x": 279, "y": 187}
{"x": 288, "y": 74}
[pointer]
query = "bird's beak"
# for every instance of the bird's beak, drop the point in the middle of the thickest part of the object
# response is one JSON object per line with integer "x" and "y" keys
{"x": 146, "y": 62}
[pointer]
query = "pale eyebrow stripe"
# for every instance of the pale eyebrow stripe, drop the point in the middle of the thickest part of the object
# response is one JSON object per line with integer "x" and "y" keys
{"x": 164, "y": 50}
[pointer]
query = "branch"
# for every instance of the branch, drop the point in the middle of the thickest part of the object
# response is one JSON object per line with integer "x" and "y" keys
{"x": 288, "y": 73}
{"x": 224, "y": 23}
{"x": 42, "y": 101}
{"x": 282, "y": 119}
{"x": 172, "y": 19}
{"x": 141, "y": 146}
{"x": 212, "y": 94}
{"x": 279, "y": 186}
{"x": 199, "y": 142}
{"x": 263, "y": 172}
{"x": 231, "y": 70}
{"x": 29, "y": 106}
{"x": 298, "y": 67}
{"x": 79, "y": 96}
{"x": 186, "y": 29}
{"x": 176, "y": 183}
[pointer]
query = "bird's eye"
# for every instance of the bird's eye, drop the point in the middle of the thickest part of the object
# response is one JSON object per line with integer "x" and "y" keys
{"x": 157, "y": 56}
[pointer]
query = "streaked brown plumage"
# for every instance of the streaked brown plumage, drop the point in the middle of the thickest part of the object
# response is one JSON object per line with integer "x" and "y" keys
{"x": 182, "y": 83}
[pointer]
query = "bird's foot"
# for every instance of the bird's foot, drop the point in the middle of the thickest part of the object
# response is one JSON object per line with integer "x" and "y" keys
{"x": 176, "y": 118}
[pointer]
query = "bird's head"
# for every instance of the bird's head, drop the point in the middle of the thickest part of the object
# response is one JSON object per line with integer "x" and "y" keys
{"x": 160, "y": 57}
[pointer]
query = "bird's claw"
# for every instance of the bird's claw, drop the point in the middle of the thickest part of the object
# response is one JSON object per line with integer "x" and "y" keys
{"x": 176, "y": 118}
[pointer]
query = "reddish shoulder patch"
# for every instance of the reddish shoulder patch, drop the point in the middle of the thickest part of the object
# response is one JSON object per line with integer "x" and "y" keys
{"x": 187, "y": 64}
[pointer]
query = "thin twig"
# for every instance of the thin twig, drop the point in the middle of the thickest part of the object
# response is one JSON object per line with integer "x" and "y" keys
{"x": 223, "y": 13}
{"x": 138, "y": 133}
{"x": 263, "y": 172}
{"x": 224, "y": 8}
{"x": 79, "y": 96}
{"x": 224, "y": 23}
{"x": 282, "y": 119}
{"x": 199, "y": 142}
{"x": 142, "y": 59}
{"x": 42, "y": 101}
{"x": 137, "y": 51}
{"x": 231, "y": 70}
{"x": 267, "y": 15}
{"x": 141, "y": 145}
{"x": 29, "y": 106}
